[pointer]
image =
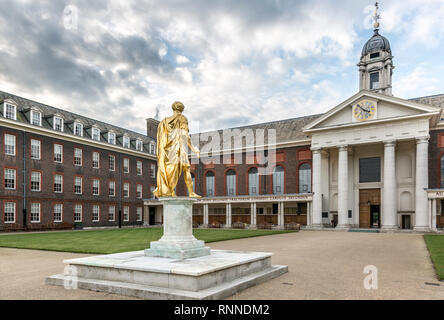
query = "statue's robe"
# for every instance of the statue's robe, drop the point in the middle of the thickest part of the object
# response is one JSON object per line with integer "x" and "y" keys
{"x": 172, "y": 153}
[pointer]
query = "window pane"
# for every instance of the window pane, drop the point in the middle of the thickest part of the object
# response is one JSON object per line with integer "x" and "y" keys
{"x": 209, "y": 184}
{"x": 253, "y": 181}
{"x": 305, "y": 178}
{"x": 278, "y": 180}
{"x": 370, "y": 169}
{"x": 231, "y": 183}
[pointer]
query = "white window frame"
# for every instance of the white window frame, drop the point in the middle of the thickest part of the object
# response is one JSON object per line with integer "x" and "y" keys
{"x": 39, "y": 205}
{"x": 126, "y": 142}
{"x": 113, "y": 139}
{"x": 54, "y": 212}
{"x": 5, "y": 107}
{"x": 76, "y": 129}
{"x": 76, "y": 180}
{"x": 139, "y": 145}
{"x": 139, "y": 215}
{"x": 139, "y": 186}
{"x": 61, "y": 153}
{"x": 40, "y": 180}
{"x": 76, "y": 212}
{"x": 113, "y": 212}
{"x": 126, "y": 213}
{"x": 152, "y": 170}
{"x": 33, "y": 147}
{"x": 139, "y": 167}
{"x": 98, "y": 187}
{"x": 126, "y": 165}
{"x": 95, "y": 133}
{"x": 126, "y": 189}
{"x": 95, "y": 154}
{"x": 8, "y": 146}
{"x": 152, "y": 188}
{"x": 15, "y": 178}
{"x": 31, "y": 119}
{"x": 54, "y": 125}
{"x": 96, "y": 206}
{"x": 61, "y": 184}
{"x": 4, "y": 211}
{"x": 76, "y": 157}
{"x": 114, "y": 188}
{"x": 114, "y": 162}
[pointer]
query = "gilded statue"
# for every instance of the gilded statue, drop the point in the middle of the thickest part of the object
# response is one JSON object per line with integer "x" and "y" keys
{"x": 173, "y": 141}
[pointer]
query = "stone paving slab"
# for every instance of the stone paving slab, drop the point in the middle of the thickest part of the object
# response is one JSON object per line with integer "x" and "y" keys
{"x": 321, "y": 265}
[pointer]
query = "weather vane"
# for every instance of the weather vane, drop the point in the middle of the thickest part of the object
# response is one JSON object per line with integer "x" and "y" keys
{"x": 376, "y": 16}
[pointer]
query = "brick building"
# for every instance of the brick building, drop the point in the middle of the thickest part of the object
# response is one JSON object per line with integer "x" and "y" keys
{"x": 373, "y": 161}
{"x": 60, "y": 169}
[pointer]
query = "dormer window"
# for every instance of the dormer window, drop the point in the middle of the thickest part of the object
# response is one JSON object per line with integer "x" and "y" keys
{"x": 9, "y": 111}
{"x": 153, "y": 148}
{"x": 139, "y": 145}
{"x": 126, "y": 142}
{"x": 36, "y": 118}
{"x": 374, "y": 80}
{"x": 58, "y": 123}
{"x": 78, "y": 129}
{"x": 96, "y": 134}
{"x": 111, "y": 138}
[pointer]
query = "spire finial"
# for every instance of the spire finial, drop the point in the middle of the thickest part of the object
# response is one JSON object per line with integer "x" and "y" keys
{"x": 376, "y": 17}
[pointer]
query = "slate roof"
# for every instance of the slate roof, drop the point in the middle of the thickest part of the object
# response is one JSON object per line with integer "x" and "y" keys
{"x": 286, "y": 131}
{"x": 23, "y": 105}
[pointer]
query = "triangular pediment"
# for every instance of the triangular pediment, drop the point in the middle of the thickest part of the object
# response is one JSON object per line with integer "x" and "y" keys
{"x": 367, "y": 107}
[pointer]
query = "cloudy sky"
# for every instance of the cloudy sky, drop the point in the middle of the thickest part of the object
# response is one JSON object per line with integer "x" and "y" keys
{"x": 231, "y": 62}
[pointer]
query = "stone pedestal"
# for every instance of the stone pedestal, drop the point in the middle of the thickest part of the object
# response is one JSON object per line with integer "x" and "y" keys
{"x": 178, "y": 266}
{"x": 177, "y": 241}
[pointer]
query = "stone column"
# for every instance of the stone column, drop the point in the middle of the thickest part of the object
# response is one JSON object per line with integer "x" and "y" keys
{"x": 317, "y": 189}
{"x": 422, "y": 181}
{"x": 281, "y": 214}
{"x": 343, "y": 188}
{"x": 253, "y": 214}
{"x": 389, "y": 196}
{"x": 433, "y": 215}
{"x": 309, "y": 214}
{"x": 146, "y": 215}
{"x": 228, "y": 215}
{"x": 205, "y": 212}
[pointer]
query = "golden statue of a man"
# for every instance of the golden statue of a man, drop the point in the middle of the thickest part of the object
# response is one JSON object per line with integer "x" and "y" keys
{"x": 173, "y": 140}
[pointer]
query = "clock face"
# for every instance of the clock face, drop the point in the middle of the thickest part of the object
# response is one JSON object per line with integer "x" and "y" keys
{"x": 364, "y": 110}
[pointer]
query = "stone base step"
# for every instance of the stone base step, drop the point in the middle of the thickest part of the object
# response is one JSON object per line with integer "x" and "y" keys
{"x": 158, "y": 293}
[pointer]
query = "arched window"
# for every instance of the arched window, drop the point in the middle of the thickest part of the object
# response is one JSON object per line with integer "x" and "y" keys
{"x": 442, "y": 171}
{"x": 305, "y": 178}
{"x": 209, "y": 182}
{"x": 278, "y": 180}
{"x": 253, "y": 182}
{"x": 231, "y": 182}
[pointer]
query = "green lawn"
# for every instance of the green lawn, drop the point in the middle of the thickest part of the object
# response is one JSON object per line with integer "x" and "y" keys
{"x": 435, "y": 244}
{"x": 115, "y": 240}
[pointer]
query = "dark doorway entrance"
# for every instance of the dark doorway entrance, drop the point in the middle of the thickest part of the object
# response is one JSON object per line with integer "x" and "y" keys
{"x": 152, "y": 217}
{"x": 405, "y": 221}
{"x": 375, "y": 216}
{"x": 368, "y": 199}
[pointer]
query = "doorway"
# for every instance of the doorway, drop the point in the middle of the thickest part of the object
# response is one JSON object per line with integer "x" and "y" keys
{"x": 406, "y": 221}
{"x": 375, "y": 216}
{"x": 369, "y": 208}
{"x": 152, "y": 216}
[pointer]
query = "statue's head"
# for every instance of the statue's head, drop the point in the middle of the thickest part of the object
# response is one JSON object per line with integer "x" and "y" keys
{"x": 178, "y": 106}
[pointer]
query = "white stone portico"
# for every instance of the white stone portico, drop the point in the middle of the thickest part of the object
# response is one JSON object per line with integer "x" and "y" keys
{"x": 394, "y": 139}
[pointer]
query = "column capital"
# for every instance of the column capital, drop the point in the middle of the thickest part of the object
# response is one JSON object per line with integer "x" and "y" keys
{"x": 343, "y": 147}
{"x": 389, "y": 143}
{"x": 316, "y": 150}
{"x": 422, "y": 140}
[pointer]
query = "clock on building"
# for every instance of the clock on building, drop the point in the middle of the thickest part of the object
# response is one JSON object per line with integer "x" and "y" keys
{"x": 364, "y": 110}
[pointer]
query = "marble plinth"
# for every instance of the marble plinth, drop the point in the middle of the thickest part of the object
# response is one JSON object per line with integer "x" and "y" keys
{"x": 215, "y": 276}
{"x": 177, "y": 241}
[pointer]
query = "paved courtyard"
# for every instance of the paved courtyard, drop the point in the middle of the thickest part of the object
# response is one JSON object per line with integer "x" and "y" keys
{"x": 322, "y": 265}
